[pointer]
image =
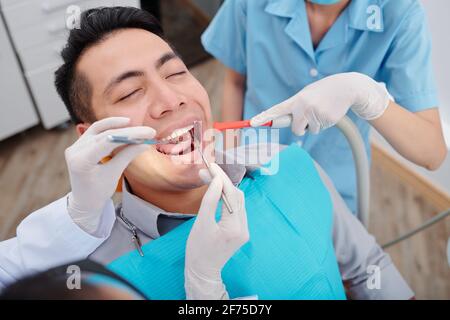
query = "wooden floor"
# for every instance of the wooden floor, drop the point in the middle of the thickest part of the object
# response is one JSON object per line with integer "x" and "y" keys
{"x": 33, "y": 173}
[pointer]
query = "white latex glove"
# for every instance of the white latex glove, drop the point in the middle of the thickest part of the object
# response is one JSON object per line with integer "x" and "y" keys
{"x": 93, "y": 183}
{"x": 324, "y": 103}
{"x": 211, "y": 244}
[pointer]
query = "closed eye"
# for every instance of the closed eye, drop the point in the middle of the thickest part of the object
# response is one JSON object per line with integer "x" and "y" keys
{"x": 128, "y": 95}
{"x": 177, "y": 74}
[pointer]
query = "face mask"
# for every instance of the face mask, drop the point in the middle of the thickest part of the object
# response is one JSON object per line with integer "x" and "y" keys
{"x": 324, "y": 2}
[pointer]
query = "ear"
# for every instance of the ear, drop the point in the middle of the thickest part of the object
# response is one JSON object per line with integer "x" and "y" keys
{"x": 81, "y": 128}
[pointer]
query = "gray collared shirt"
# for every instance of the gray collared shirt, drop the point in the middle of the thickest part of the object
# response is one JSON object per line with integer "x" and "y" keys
{"x": 361, "y": 260}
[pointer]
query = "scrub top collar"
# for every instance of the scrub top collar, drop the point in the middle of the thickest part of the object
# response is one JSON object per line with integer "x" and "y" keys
{"x": 354, "y": 16}
{"x": 144, "y": 215}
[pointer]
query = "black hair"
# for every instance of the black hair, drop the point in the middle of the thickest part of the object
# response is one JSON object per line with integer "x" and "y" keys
{"x": 95, "y": 25}
{"x": 52, "y": 284}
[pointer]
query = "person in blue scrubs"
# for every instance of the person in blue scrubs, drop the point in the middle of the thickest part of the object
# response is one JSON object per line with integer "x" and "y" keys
{"x": 318, "y": 60}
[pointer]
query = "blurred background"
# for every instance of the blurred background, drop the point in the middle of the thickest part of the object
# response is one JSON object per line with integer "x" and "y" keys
{"x": 34, "y": 127}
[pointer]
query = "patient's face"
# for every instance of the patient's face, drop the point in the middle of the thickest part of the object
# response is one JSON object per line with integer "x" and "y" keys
{"x": 155, "y": 90}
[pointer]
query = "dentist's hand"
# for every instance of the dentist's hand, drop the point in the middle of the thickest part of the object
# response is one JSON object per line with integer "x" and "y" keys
{"x": 211, "y": 244}
{"x": 93, "y": 183}
{"x": 324, "y": 103}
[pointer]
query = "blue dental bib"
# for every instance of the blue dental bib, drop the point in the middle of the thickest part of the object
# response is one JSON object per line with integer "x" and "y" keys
{"x": 290, "y": 254}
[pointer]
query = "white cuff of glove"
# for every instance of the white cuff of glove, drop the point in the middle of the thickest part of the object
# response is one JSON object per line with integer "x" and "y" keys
{"x": 375, "y": 101}
{"x": 96, "y": 224}
{"x": 199, "y": 288}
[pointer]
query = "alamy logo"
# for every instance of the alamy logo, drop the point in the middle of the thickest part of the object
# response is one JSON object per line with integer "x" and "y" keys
{"x": 263, "y": 148}
{"x": 374, "y": 17}
{"x": 73, "y": 15}
{"x": 74, "y": 278}
{"x": 374, "y": 280}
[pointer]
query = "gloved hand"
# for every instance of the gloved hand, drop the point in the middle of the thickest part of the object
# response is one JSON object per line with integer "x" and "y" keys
{"x": 211, "y": 244}
{"x": 93, "y": 183}
{"x": 324, "y": 103}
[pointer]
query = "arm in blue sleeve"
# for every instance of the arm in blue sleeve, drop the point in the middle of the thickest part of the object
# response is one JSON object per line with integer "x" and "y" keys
{"x": 407, "y": 69}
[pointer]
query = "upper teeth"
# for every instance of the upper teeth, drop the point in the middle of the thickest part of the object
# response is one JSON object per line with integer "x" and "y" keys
{"x": 177, "y": 133}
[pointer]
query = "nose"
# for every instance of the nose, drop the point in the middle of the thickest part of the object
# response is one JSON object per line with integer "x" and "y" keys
{"x": 167, "y": 100}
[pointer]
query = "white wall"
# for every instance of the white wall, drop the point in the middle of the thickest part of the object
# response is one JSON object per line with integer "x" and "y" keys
{"x": 438, "y": 13}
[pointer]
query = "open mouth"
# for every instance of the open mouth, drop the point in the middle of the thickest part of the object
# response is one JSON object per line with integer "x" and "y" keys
{"x": 179, "y": 142}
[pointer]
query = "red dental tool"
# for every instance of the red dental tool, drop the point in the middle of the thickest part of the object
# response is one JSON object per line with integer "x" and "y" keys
{"x": 282, "y": 122}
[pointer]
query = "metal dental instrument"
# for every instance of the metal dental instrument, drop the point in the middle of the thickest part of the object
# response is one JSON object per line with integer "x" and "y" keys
{"x": 126, "y": 140}
{"x": 198, "y": 143}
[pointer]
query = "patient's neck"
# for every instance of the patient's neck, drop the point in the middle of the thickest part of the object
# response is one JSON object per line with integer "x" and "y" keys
{"x": 185, "y": 201}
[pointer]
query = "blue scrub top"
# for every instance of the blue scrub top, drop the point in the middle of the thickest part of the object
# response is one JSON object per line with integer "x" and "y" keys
{"x": 269, "y": 41}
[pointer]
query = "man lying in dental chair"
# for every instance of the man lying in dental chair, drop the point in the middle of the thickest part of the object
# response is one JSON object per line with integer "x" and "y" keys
{"x": 290, "y": 235}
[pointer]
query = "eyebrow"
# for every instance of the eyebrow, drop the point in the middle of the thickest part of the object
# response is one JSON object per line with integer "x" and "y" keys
{"x": 117, "y": 80}
{"x": 166, "y": 58}
{"x": 138, "y": 73}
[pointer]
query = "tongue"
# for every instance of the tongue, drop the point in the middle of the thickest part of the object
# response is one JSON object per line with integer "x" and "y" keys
{"x": 175, "y": 148}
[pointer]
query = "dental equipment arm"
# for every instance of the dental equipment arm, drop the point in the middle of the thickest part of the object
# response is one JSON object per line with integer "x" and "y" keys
{"x": 211, "y": 244}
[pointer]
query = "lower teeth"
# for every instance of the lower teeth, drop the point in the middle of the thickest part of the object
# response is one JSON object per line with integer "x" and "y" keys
{"x": 178, "y": 140}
